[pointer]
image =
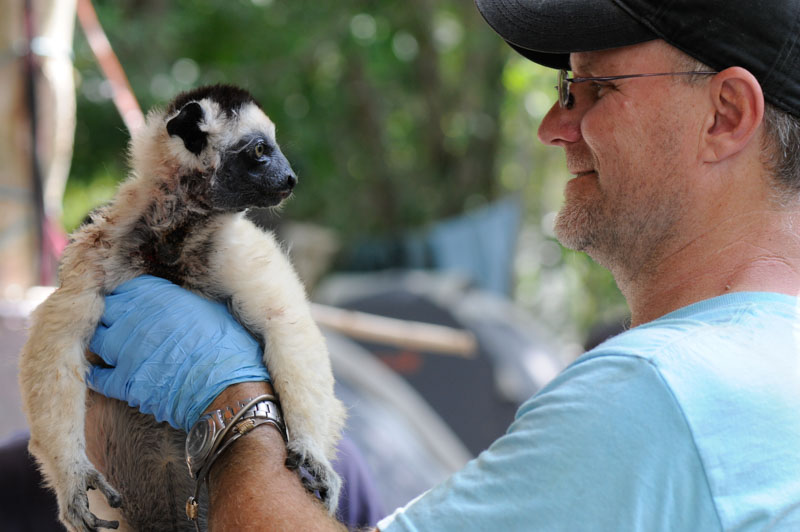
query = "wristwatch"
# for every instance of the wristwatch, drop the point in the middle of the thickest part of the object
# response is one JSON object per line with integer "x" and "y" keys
{"x": 205, "y": 439}
{"x": 217, "y": 430}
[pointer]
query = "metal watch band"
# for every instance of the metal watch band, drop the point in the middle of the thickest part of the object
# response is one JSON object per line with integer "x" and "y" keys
{"x": 251, "y": 413}
{"x": 266, "y": 410}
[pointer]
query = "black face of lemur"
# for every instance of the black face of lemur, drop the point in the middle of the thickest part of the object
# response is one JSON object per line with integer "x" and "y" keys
{"x": 252, "y": 173}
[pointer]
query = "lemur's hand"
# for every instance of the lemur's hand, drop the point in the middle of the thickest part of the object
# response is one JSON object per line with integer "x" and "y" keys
{"x": 171, "y": 351}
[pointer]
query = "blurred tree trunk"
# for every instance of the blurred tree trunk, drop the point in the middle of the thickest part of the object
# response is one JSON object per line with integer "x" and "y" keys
{"x": 457, "y": 132}
{"x": 487, "y": 56}
{"x": 368, "y": 120}
{"x": 462, "y": 155}
{"x": 26, "y": 256}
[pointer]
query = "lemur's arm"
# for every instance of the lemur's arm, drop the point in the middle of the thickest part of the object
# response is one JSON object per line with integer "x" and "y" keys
{"x": 249, "y": 483}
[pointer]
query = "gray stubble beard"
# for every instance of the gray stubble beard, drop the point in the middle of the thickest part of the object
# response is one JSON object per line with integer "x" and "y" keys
{"x": 628, "y": 242}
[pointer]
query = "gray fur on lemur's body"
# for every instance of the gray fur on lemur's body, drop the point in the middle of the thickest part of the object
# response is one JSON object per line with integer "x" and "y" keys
{"x": 196, "y": 167}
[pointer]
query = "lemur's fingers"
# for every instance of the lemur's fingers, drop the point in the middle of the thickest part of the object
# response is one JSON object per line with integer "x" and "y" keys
{"x": 327, "y": 484}
{"x": 293, "y": 460}
{"x": 317, "y": 475}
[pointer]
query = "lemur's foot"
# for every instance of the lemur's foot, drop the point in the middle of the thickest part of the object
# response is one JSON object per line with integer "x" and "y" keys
{"x": 77, "y": 514}
{"x": 321, "y": 478}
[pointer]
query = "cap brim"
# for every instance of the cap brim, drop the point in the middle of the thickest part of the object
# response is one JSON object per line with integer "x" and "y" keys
{"x": 547, "y": 31}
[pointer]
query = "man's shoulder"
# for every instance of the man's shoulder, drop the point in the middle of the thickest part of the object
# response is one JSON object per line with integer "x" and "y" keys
{"x": 712, "y": 364}
{"x": 723, "y": 327}
{"x": 727, "y": 370}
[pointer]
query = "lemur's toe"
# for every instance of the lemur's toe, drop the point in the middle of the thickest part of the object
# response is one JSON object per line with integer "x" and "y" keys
{"x": 81, "y": 519}
{"x": 77, "y": 513}
{"x": 95, "y": 480}
{"x": 102, "y": 523}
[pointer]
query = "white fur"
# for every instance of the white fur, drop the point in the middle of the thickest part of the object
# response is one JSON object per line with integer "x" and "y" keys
{"x": 302, "y": 377}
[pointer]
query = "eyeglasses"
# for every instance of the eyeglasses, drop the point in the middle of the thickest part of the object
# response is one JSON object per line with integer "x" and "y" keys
{"x": 566, "y": 100}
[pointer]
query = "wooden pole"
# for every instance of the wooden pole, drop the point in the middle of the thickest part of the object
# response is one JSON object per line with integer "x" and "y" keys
{"x": 415, "y": 335}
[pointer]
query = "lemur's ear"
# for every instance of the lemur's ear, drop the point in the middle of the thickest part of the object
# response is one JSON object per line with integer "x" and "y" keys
{"x": 186, "y": 125}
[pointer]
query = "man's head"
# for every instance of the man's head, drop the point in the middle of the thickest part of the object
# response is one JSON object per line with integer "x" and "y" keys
{"x": 761, "y": 37}
{"x": 654, "y": 157}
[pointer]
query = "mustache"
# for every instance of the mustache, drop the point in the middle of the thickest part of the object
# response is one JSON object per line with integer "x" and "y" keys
{"x": 580, "y": 161}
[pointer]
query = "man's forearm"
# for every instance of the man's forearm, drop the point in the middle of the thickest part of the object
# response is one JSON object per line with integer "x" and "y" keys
{"x": 250, "y": 488}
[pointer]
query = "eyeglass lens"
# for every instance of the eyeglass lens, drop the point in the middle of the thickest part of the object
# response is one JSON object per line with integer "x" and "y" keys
{"x": 565, "y": 99}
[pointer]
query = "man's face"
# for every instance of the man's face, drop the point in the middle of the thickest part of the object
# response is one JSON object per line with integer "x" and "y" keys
{"x": 629, "y": 145}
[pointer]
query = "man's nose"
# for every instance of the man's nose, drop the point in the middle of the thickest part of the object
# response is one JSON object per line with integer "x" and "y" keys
{"x": 560, "y": 126}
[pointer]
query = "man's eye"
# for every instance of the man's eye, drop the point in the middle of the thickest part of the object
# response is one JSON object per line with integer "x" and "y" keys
{"x": 601, "y": 87}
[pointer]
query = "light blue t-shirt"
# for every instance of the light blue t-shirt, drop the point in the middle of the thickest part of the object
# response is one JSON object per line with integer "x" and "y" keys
{"x": 689, "y": 422}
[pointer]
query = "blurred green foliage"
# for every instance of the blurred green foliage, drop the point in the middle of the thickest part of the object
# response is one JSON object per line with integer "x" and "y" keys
{"x": 393, "y": 114}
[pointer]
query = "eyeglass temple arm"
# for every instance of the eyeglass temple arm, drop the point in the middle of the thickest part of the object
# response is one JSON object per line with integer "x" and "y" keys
{"x": 612, "y": 78}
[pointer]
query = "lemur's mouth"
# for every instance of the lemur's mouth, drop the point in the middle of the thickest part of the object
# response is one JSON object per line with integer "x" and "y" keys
{"x": 278, "y": 196}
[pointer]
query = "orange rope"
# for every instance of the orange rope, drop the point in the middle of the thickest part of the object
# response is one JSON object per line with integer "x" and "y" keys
{"x": 121, "y": 91}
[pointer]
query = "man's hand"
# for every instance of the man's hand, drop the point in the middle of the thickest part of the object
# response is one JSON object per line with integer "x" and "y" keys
{"x": 171, "y": 351}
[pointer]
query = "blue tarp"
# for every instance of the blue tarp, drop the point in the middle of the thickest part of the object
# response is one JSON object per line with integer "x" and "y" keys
{"x": 479, "y": 245}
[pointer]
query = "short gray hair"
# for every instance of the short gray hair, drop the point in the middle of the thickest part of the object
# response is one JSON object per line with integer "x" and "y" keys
{"x": 780, "y": 144}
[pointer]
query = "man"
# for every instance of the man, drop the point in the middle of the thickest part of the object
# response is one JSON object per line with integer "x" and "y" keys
{"x": 687, "y": 187}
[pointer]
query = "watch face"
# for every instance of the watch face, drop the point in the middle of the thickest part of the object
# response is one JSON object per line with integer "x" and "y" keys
{"x": 199, "y": 442}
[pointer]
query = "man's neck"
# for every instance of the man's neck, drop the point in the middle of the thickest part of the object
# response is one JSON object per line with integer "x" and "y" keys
{"x": 756, "y": 251}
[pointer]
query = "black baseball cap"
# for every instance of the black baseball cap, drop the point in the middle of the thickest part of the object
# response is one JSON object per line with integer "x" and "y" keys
{"x": 762, "y": 36}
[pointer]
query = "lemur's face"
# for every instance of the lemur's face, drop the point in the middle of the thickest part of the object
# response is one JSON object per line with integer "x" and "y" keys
{"x": 253, "y": 173}
{"x": 229, "y": 134}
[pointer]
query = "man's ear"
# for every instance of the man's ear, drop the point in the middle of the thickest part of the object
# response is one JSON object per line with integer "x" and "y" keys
{"x": 186, "y": 125}
{"x": 738, "y": 105}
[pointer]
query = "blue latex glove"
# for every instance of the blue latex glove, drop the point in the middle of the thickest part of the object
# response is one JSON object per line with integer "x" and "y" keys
{"x": 172, "y": 351}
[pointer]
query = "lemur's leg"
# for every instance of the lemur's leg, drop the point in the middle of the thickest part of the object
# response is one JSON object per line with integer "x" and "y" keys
{"x": 52, "y": 369}
{"x": 269, "y": 299}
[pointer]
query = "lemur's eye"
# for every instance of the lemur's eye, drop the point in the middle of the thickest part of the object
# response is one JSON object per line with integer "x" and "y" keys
{"x": 260, "y": 150}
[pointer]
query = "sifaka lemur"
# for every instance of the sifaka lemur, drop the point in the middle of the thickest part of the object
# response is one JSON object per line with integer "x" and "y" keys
{"x": 197, "y": 166}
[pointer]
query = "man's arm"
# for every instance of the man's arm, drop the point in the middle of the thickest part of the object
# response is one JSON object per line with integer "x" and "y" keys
{"x": 250, "y": 487}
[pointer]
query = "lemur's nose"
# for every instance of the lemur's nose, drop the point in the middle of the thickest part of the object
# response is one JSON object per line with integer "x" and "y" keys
{"x": 290, "y": 180}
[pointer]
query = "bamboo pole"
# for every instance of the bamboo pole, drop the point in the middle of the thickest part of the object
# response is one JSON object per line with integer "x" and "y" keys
{"x": 415, "y": 335}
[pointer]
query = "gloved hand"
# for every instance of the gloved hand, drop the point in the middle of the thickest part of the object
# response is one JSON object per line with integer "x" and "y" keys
{"x": 172, "y": 351}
